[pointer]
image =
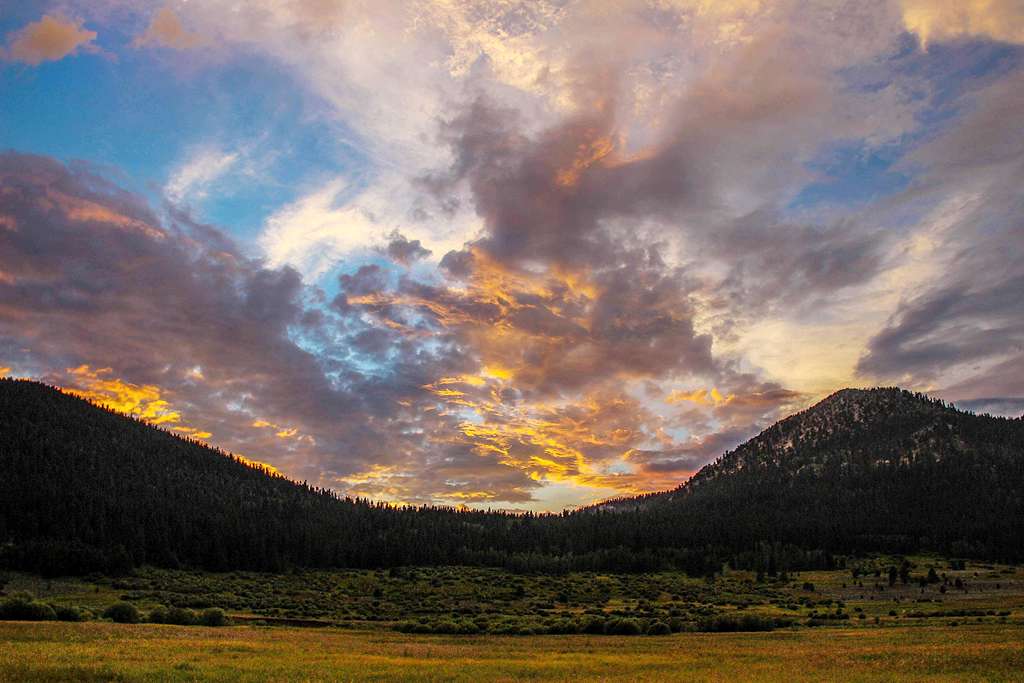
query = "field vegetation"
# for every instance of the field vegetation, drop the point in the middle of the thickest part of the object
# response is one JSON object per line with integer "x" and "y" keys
{"x": 869, "y": 592}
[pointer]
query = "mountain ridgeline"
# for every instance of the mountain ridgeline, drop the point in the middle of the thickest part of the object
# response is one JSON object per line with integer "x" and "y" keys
{"x": 84, "y": 489}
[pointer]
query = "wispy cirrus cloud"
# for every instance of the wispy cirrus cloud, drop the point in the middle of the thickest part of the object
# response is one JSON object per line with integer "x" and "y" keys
{"x": 193, "y": 178}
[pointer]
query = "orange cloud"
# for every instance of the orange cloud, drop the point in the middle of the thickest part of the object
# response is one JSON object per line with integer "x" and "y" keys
{"x": 192, "y": 432}
{"x": 283, "y": 432}
{"x": 585, "y": 442}
{"x": 144, "y": 402}
{"x": 700, "y": 397}
{"x": 141, "y": 401}
{"x": 86, "y": 211}
{"x": 588, "y": 154}
{"x": 256, "y": 464}
{"x": 49, "y": 39}
{"x": 167, "y": 30}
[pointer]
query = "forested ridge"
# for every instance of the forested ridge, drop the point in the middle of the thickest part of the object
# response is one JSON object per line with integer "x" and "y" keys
{"x": 84, "y": 489}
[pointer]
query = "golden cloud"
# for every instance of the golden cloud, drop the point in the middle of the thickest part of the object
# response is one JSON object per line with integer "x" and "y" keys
{"x": 141, "y": 401}
{"x": 283, "y": 432}
{"x": 144, "y": 402}
{"x": 934, "y": 20}
{"x": 257, "y": 465}
{"x": 584, "y": 442}
{"x": 700, "y": 397}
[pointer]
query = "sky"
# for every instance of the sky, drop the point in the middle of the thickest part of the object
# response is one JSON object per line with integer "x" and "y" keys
{"x": 509, "y": 255}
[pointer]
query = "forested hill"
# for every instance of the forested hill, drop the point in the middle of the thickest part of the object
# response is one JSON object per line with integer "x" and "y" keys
{"x": 84, "y": 489}
{"x": 863, "y": 470}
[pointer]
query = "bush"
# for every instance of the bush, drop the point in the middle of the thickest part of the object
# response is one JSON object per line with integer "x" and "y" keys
{"x": 622, "y": 627}
{"x": 181, "y": 616}
{"x": 592, "y": 625}
{"x": 676, "y": 625}
{"x": 158, "y": 615}
{"x": 745, "y": 622}
{"x": 122, "y": 613}
{"x": 22, "y": 607}
{"x": 68, "y": 613}
{"x": 214, "y": 616}
{"x": 658, "y": 628}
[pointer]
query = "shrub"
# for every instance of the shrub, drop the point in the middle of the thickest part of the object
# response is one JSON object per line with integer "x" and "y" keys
{"x": 122, "y": 613}
{"x": 158, "y": 615}
{"x": 592, "y": 625}
{"x": 213, "y": 616}
{"x": 745, "y": 622}
{"x": 658, "y": 628}
{"x": 69, "y": 613}
{"x": 622, "y": 627}
{"x": 22, "y": 607}
{"x": 676, "y": 624}
{"x": 181, "y": 616}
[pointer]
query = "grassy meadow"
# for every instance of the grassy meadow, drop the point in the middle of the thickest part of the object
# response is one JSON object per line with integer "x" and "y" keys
{"x": 51, "y": 651}
{"x": 935, "y": 619}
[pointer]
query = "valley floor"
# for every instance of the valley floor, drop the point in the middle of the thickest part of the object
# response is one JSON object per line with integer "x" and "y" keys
{"x": 99, "y": 651}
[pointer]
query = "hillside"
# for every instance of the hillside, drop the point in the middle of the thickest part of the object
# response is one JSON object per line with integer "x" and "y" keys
{"x": 83, "y": 489}
{"x": 864, "y": 469}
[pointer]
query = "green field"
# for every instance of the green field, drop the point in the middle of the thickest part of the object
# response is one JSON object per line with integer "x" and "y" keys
{"x": 965, "y": 622}
{"x": 150, "y": 652}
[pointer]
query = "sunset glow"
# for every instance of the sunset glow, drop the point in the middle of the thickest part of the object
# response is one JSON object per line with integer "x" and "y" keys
{"x": 517, "y": 255}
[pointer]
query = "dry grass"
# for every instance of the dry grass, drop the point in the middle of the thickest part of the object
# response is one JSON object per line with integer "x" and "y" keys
{"x": 103, "y": 651}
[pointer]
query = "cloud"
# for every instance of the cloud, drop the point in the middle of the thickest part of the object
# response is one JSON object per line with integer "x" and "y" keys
{"x": 966, "y": 321}
{"x": 999, "y": 406}
{"x": 166, "y": 30}
{"x": 200, "y": 337}
{"x": 584, "y": 249}
{"x": 939, "y": 20}
{"x": 313, "y": 233}
{"x": 405, "y": 251}
{"x": 192, "y": 180}
{"x": 51, "y": 38}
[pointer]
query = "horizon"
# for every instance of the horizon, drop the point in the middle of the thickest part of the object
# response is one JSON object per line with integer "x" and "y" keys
{"x": 525, "y": 257}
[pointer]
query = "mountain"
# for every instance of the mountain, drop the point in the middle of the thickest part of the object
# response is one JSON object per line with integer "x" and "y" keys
{"x": 85, "y": 489}
{"x": 875, "y": 469}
